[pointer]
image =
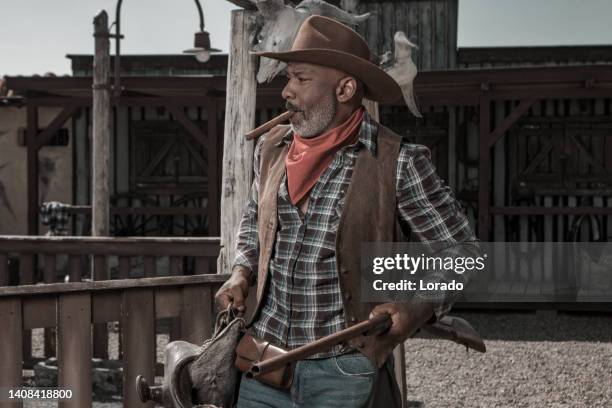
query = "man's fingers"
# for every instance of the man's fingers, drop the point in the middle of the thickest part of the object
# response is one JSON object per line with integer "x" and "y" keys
{"x": 238, "y": 299}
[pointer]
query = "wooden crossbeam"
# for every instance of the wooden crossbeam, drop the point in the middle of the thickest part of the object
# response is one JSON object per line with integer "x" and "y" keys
{"x": 43, "y": 137}
{"x": 188, "y": 124}
{"x": 509, "y": 120}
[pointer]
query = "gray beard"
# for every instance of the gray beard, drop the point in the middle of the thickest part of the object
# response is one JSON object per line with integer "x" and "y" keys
{"x": 317, "y": 119}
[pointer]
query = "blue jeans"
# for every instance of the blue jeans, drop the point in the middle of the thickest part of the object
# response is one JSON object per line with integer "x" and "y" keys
{"x": 343, "y": 381}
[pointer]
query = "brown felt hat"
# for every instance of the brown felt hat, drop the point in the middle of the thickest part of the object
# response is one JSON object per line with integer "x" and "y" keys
{"x": 324, "y": 41}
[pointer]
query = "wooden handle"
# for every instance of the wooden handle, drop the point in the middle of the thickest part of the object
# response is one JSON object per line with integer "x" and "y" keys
{"x": 255, "y": 133}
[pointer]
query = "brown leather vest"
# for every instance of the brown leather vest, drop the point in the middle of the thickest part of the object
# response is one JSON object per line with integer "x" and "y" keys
{"x": 369, "y": 214}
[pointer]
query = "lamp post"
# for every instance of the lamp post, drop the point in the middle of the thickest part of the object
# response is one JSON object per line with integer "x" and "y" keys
{"x": 201, "y": 44}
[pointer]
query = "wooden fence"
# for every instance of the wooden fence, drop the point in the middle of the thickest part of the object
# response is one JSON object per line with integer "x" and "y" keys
{"x": 34, "y": 294}
{"x": 72, "y": 309}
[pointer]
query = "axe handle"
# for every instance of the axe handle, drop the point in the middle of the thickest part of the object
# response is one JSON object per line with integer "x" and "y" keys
{"x": 283, "y": 117}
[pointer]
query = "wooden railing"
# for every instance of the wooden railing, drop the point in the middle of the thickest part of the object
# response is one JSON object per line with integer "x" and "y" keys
{"x": 31, "y": 296}
{"x": 72, "y": 309}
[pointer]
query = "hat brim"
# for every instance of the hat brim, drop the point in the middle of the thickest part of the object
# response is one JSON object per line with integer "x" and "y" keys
{"x": 379, "y": 86}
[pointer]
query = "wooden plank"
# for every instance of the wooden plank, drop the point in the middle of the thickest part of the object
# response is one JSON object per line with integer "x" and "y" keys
{"x": 149, "y": 267}
{"x": 49, "y": 311}
{"x": 4, "y": 271}
{"x": 106, "y": 307}
{"x": 76, "y": 267}
{"x": 32, "y": 168}
{"x": 202, "y": 265}
{"x": 452, "y": 18}
{"x": 39, "y": 311}
{"x": 484, "y": 170}
{"x": 100, "y": 268}
{"x": 168, "y": 302}
{"x": 100, "y": 330}
{"x": 26, "y": 269}
{"x": 176, "y": 266}
{"x": 75, "y": 349}
{"x": 57, "y": 288}
{"x": 11, "y": 346}
{"x": 141, "y": 246}
{"x": 124, "y": 267}
{"x": 213, "y": 166}
{"x": 50, "y": 269}
{"x": 237, "y": 173}
{"x": 51, "y": 129}
{"x": 138, "y": 342}
{"x": 196, "y": 314}
{"x": 191, "y": 127}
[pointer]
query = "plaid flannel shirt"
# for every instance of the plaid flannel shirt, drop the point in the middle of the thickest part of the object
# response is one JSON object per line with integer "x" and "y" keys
{"x": 302, "y": 302}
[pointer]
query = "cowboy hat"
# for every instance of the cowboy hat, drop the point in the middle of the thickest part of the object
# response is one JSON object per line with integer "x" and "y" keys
{"x": 324, "y": 41}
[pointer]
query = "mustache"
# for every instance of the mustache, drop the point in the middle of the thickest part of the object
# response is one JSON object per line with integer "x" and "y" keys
{"x": 291, "y": 107}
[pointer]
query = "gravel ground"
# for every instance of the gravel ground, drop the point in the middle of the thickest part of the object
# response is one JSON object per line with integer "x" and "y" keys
{"x": 533, "y": 360}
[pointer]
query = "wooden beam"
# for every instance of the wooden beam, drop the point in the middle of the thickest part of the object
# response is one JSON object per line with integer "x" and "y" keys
{"x": 32, "y": 168}
{"x": 11, "y": 347}
{"x": 510, "y": 120}
{"x": 75, "y": 350}
{"x": 100, "y": 223}
{"x": 193, "y": 129}
{"x": 239, "y": 119}
{"x": 484, "y": 168}
{"x": 55, "y": 125}
{"x": 111, "y": 285}
{"x": 213, "y": 170}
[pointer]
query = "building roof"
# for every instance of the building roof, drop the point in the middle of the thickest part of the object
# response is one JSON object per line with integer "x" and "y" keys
{"x": 154, "y": 65}
{"x": 555, "y": 55}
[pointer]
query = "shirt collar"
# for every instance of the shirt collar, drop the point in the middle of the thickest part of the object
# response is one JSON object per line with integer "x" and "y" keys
{"x": 366, "y": 137}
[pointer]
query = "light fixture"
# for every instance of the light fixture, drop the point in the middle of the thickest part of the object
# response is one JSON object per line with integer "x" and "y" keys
{"x": 201, "y": 41}
{"x": 201, "y": 47}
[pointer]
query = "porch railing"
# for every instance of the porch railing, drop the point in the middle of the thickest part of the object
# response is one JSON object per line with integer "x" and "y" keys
{"x": 72, "y": 309}
{"x": 53, "y": 282}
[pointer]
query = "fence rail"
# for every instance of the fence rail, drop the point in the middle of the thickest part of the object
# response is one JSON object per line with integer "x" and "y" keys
{"x": 27, "y": 260}
{"x": 72, "y": 309}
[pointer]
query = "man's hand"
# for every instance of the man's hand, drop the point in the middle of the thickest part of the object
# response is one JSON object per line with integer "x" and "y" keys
{"x": 406, "y": 319}
{"x": 235, "y": 290}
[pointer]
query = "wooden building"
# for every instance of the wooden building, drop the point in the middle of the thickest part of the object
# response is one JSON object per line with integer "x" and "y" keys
{"x": 547, "y": 110}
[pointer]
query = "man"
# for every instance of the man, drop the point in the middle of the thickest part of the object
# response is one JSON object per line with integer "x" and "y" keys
{"x": 333, "y": 179}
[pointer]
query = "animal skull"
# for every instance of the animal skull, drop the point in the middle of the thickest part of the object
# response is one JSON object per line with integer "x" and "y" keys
{"x": 279, "y": 23}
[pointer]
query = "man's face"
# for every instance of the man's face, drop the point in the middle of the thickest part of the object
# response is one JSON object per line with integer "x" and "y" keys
{"x": 310, "y": 91}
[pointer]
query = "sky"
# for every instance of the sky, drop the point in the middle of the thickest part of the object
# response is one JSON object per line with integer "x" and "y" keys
{"x": 36, "y": 35}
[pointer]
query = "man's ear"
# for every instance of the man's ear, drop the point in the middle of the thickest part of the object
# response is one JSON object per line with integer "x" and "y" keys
{"x": 346, "y": 89}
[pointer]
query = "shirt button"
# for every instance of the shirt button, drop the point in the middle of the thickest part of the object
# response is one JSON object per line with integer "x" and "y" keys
{"x": 360, "y": 344}
{"x": 344, "y": 271}
{"x": 353, "y": 319}
{"x": 348, "y": 296}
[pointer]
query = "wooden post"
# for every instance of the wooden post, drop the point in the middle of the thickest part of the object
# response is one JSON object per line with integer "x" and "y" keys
{"x": 11, "y": 347}
{"x": 32, "y": 168}
{"x": 101, "y": 127}
{"x": 74, "y": 329}
{"x": 484, "y": 168}
{"x": 239, "y": 119}
{"x": 101, "y": 139}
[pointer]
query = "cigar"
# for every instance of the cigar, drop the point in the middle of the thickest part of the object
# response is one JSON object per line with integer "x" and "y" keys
{"x": 255, "y": 133}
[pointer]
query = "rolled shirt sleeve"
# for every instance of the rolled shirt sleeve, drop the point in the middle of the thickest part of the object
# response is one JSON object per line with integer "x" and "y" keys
{"x": 428, "y": 207}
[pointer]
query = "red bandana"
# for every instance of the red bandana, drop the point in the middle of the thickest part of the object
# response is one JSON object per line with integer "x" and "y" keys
{"x": 309, "y": 157}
